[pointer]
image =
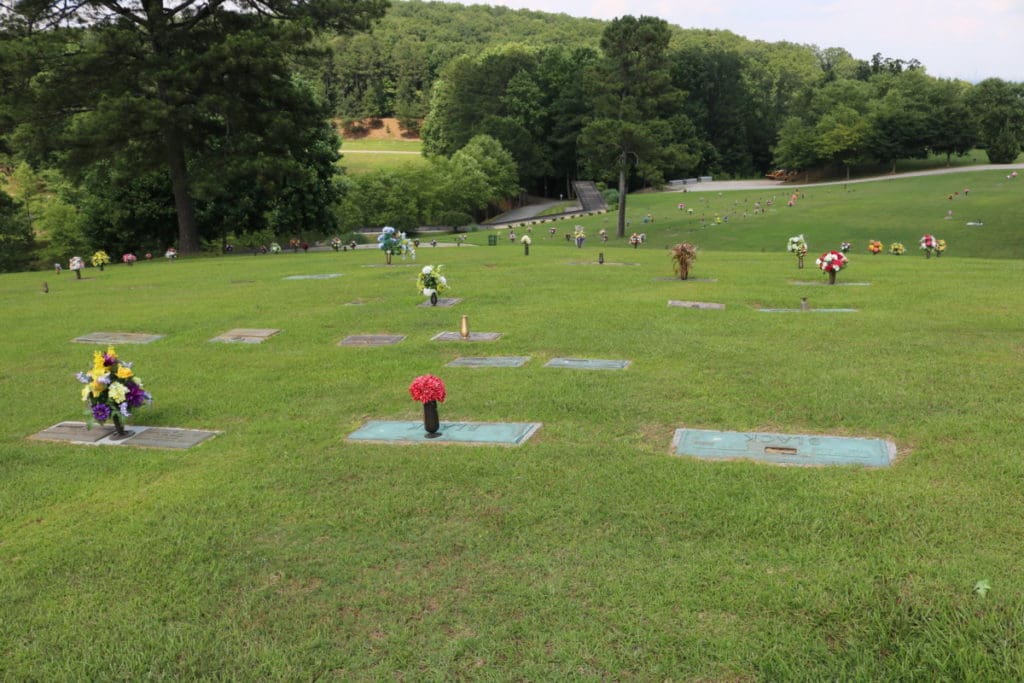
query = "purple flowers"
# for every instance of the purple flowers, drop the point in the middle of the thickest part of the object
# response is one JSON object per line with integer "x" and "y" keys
{"x": 136, "y": 396}
{"x": 100, "y": 412}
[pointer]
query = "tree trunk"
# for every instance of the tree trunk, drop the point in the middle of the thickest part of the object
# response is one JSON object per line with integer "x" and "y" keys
{"x": 188, "y": 232}
{"x": 621, "y": 230}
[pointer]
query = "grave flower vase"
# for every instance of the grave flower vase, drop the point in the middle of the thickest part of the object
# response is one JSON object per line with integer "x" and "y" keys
{"x": 433, "y": 298}
{"x": 831, "y": 277}
{"x": 927, "y": 253}
{"x": 431, "y": 421}
{"x": 119, "y": 431}
{"x": 78, "y": 274}
{"x": 800, "y": 262}
{"x": 526, "y": 250}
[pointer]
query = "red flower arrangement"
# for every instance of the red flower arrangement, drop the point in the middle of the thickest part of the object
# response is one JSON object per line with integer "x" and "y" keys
{"x": 831, "y": 261}
{"x": 426, "y": 388}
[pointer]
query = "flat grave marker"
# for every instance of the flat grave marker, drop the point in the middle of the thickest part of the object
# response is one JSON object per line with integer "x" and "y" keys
{"x": 322, "y": 276}
{"x": 689, "y": 279}
{"x": 412, "y": 432}
{"x": 117, "y": 338}
{"x": 489, "y": 362}
{"x": 139, "y": 436}
{"x": 246, "y": 335}
{"x": 167, "y": 437}
{"x": 371, "y": 340}
{"x": 442, "y": 302}
{"x": 810, "y": 283}
{"x": 809, "y": 310}
{"x": 696, "y": 304}
{"x": 473, "y": 336}
{"x": 606, "y": 263}
{"x": 783, "y": 449}
{"x": 587, "y": 364}
{"x": 75, "y": 432}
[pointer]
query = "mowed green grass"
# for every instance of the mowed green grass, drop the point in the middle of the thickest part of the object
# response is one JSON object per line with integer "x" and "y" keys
{"x": 364, "y": 156}
{"x": 280, "y": 551}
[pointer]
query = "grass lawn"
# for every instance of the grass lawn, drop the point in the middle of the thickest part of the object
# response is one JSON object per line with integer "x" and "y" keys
{"x": 363, "y": 156}
{"x": 280, "y": 551}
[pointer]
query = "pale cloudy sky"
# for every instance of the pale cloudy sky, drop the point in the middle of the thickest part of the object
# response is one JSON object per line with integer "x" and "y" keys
{"x": 968, "y": 39}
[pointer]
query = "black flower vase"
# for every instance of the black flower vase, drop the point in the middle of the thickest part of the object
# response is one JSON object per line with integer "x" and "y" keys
{"x": 526, "y": 250}
{"x": 431, "y": 421}
{"x": 831, "y": 277}
{"x": 433, "y": 302}
{"x": 119, "y": 431}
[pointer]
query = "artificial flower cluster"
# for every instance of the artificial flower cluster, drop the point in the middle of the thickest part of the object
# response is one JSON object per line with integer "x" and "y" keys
{"x": 940, "y": 246}
{"x": 526, "y": 240}
{"x": 874, "y": 246}
{"x": 76, "y": 263}
{"x": 100, "y": 259}
{"x": 336, "y": 243}
{"x": 431, "y": 281}
{"x": 831, "y": 262}
{"x": 392, "y": 242}
{"x": 111, "y": 385}
{"x": 844, "y": 247}
{"x": 634, "y": 240}
{"x": 927, "y": 242}
{"x": 171, "y": 253}
{"x": 275, "y": 248}
{"x": 128, "y": 258}
{"x": 797, "y": 245}
{"x": 897, "y": 248}
{"x": 426, "y": 388}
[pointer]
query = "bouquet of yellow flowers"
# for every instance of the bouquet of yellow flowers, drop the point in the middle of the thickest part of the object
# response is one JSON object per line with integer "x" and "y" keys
{"x": 897, "y": 248}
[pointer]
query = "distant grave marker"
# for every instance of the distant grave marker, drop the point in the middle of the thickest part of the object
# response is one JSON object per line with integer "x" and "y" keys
{"x": 689, "y": 279}
{"x": 605, "y": 263}
{"x": 473, "y": 336}
{"x": 371, "y": 339}
{"x": 442, "y": 302}
{"x": 783, "y": 449}
{"x": 489, "y": 362}
{"x": 412, "y": 432}
{"x": 805, "y": 283}
{"x": 812, "y": 310}
{"x": 246, "y": 335}
{"x": 587, "y": 364}
{"x": 117, "y": 338}
{"x": 696, "y": 304}
{"x": 322, "y": 276}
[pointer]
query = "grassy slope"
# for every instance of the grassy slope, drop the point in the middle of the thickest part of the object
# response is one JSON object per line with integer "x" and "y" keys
{"x": 278, "y": 550}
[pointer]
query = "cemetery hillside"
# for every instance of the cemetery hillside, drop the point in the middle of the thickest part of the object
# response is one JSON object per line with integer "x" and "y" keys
{"x": 280, "y": 548}
{"x": 361, "y": 341}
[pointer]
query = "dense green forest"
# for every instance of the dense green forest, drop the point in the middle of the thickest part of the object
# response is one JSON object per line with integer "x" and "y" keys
{"x": 131, "y": 128}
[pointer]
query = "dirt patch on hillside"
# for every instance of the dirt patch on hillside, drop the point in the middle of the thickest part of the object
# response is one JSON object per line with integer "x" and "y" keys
{"x": 374, "y": 129}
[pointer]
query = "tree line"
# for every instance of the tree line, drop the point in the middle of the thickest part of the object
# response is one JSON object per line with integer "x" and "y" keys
{"x": 145, "y": 125}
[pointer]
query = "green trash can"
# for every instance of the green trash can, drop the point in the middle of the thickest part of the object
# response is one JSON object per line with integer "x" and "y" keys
{"x": 492, "y": 240}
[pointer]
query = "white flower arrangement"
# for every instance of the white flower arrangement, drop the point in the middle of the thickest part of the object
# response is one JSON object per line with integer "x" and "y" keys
{"x": 431, "y": 281}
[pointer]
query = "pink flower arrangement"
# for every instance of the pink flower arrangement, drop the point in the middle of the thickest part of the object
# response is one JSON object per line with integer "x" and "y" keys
{"x": 831, "y": 261}
{"x": 128, "y": 258}
{"x": 426, "y": 388}
{"x": 928, "y": 242}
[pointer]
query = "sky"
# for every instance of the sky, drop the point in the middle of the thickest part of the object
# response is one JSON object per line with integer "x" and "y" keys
{"x": 952, "y": 38}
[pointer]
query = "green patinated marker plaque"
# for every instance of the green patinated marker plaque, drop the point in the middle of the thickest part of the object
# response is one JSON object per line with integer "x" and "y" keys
{"x": 783, "y": 449}
{"x": 322, "y": 276}
{"x": 371, "y": 340}
{"x": 411, "y": 432}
